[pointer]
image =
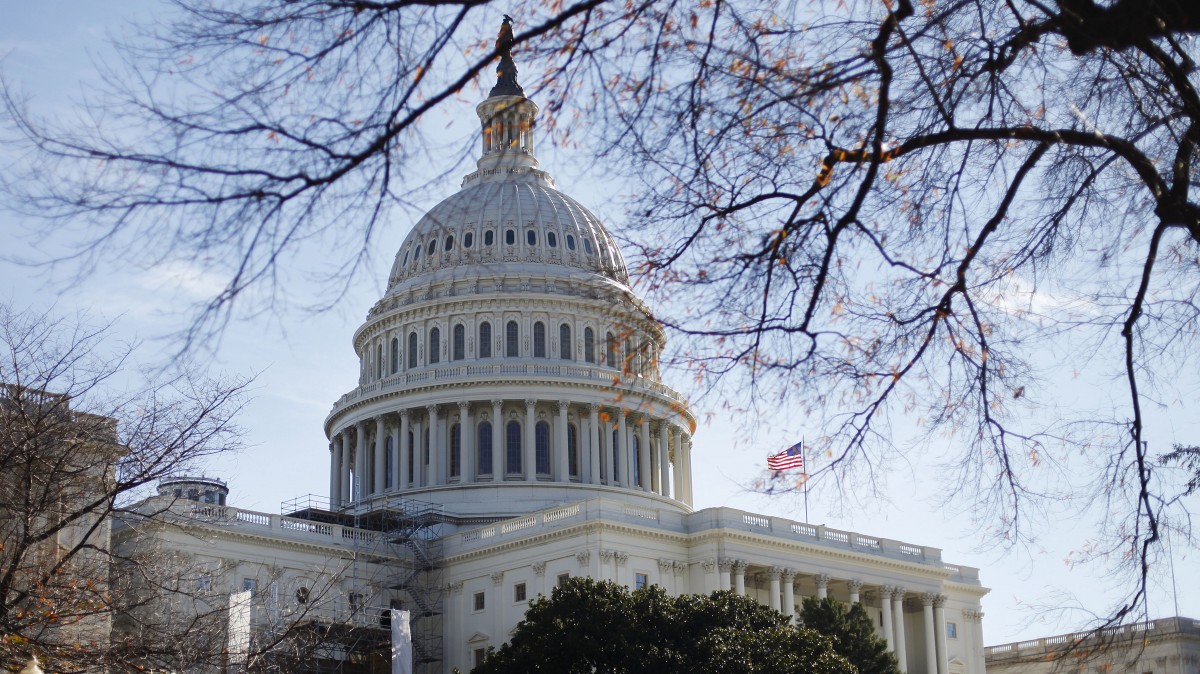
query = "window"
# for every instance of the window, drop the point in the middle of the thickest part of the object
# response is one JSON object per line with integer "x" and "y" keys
{"x": 541, "y": 439}
{"x": 480, "y": 654}
{"x": 432, "y": 247}
{"x": 455, "y": 450}
{"x": 564, "y": 342}
{"x": 488, "y": 238}
{"x": 616, "y": 471}
{"x": 512, "y": 335}
{"x": 250, "y": 584}
{"x": 510, "y": 236}
{"x": 395, "y": 354}
{"x": 412, "y": 349}
{"x": 531, "y": 237}
{"x": 357, "y": 601}
{"x": 302, "y": 595}
{"x": 562, "y": 579}
{"x": 587, "y": 246}
{"x": 388, "y": 469}
{"x": 570, "y": 242}
{"x": 417, "y": 253}
{"x": 460, "y": 342}
{"x": 519, "y": 592}
{"x": 485, "y": 340}
{"x": 204, "y": 583}
{"x": 435, "y": 345}
{"x": 640, "y": 580}
{"x": 480, "y": 601}
{"x": 589, "y": 345}
{"x": 412, "y": 441}
{"x": 635, "y": 464}
{"x": 404, "y": 262}
{"x": 449, "y": 245}
{"x": 610, "y": 355}
{"x": 512, "y": 447}
{"x": 485, "y": 448}
{"x": 551, "y": 240}
{"x": 539, "y": 340}
{"x": 952, "y": 630}
{"x": 572, "y": 451}
{"x": 468, "y": 239}
{"x": 630, "y": 355}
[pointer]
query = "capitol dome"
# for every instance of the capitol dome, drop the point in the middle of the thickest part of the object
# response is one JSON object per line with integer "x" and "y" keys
{"x": 509, "y": 366}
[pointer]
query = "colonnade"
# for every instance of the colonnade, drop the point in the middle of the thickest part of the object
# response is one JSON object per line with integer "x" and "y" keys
{"x": 512, "y": 441}
{"x": 781, "y": 597}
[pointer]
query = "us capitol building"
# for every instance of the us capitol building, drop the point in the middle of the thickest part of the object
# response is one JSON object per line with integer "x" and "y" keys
{"x": 510, "y": 429}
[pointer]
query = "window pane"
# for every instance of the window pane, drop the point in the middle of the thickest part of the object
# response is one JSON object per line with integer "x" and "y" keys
{"x": 510, "y": 236}
{"x": 542, "y": 447}
{"x": 587, "y": 246}
{"x": 455, "y": 453}
{"x": 468, "y": 239}
{"x": 485, "y": 448}
{"x": 395, "y": 355}
{"x": 432, "y": 247}
{"x": 570, "y": 242}
{"x": 449, "y": 245}
{"x": 460, "y": 342}
{"x": 531, "y": 237}
{"x": 539, "y": 340}
{"x": 572, "y": 451}
{"x": 485, "y": 340}
{"x": 589, "y": 345}
{"x": 512, "y": 449}
{"x": 610, "y": 355}
{"x": 512, "y": 334}
{"x": 564, "y": 342}
{"x": 412, "y": 349}
{"x": 551, "y": 240}
{"x": 435, "y": 346}
{"x": 488, "y": 238}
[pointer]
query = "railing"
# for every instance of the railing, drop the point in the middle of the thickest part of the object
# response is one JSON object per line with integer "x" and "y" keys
{"x": 1136, "y": 632}
{"x": 287, "y": 527}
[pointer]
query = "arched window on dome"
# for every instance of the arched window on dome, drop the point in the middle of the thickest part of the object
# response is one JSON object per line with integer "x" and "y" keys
{"x": 485, "y": 448}
{"x": 551, "y": 240}
{"x": 589, "y": 345}
{"x": 388, "y": 468}
{"x": 531, "y": 237}
{"x": 460, "y": 342}
{"x": 485, "y": 340}
{"x": 541, "y": 443}
{"x": 449, "y": 244}
{"x": 565, "y": 348}
{"x": 512, "y": 448}
{"x": 572, "y": 451}
{"x": 630, "y": 355}
{"x": 510, "y": 237}
{"x": 455, "y": 451}
{"x": 435, "y": 346}
{"x": 587, "y": 245}
{"x": 512, "y": 338}
{"x": 489, "y": 238}
{"x": 412, "y": 350}
{"x": 570, "y": 242}
{"x": 468, "y": 239}
{"x": 610, "y": 350}
{"x": 432, "y": 247}
{"x": 404, "y": 262}
{"x": 539, "y": 340}
{"x": 395, "y": 360}
{"x": 416, "y": 253}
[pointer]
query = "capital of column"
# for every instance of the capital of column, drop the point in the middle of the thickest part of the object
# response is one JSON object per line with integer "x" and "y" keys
{"x": 854, "y": 584}
{"x": 788, "y": 575}
{"x": 680, "y": 568}
{"x": 939, "y": 601}
{"x": 432, "y": 410}
{"x": 455, "y": 587}
{"x": 708, "y": 565}
{"x": 497, "y": 403}
{"x": 898, "y": 594}
{"x": 774, "y": 572}
{"x": 562, "y": 405}
{"x": 593, "y": 407}
{"x": 498, "y": 577}
{"x": 463, "y": 405}
{"x": 622, "y": 557}
{"x": 606, "y": 555}
{"x": 740, "y": 565}
{"x": 725, "y": 564}
{"x": 583, "y": 557}
{"x": 886, "y": 592}
{"x": 928, "y": 598}
{"x": 822, "y": 580}
{"x": 665, "y": 565}
{"x": 539, "y": 569}
{"x": 403, "y": 413}
{"x": 530, "y": 403}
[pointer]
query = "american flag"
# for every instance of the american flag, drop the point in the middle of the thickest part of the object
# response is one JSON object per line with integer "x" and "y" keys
{"x": 792, "y": 457}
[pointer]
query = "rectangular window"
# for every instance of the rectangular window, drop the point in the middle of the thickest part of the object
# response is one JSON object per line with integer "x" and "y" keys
{"x": 250, "y": 584}
{"x": 952, "y": 630}
{"x": 519, "y": 592}
{"x": 204, "y": 583}
{"x": 480, "y": 653}
{"x": 640, "y": 580}
{"x": 480, "y": 601}
{"x": 562, "y": 579}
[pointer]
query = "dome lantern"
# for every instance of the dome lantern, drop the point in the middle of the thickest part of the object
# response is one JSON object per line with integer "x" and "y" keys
{"x": 507, "y": 117}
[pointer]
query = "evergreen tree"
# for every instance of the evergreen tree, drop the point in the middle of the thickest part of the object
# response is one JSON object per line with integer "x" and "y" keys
{"x": 852, "y": 633}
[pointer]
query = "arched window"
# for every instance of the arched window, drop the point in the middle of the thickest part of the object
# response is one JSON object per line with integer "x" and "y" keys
{"x": 531, "y": 237}
{"x": 587, "y": 246}
{"x": 435, "y": 346}
{"x": 572, "y": 451}
{"x": 468, "y": 239}
{"x": 541, "y": 441}
{"x": 404, "y": 262}
{"x": 388, "y": 468}
{"x": 610, "y": 350}
{"x": 512, "y": 336}
{"x": 485, "y": 448}
{"x": 485, "y": 340}
{"x": 570, "y": 242}
{"x": 455, "y": 451}
{"x": 589, "y": 345}
{"x": 539, "y": 340}
{"x": 416, "y": 253}
{"x": 630, "y": 355}
{"x": 432, "y": 247}
{"x": 510, "y": 236}
{"x": 412, "y": 349}
{"x": 564, "y": 342}
{"x": 551, "y": 240}
{"x": 449, "y": 245}
{"x": 512, "y": 448}
{"x": 379, "y": 361}
{"x": 460, "y": 342}
{"x": 395, "y": 354}
{"x": 489, "y": 238}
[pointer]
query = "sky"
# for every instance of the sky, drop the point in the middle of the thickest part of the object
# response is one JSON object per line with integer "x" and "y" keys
{"x": 302, "y": 362}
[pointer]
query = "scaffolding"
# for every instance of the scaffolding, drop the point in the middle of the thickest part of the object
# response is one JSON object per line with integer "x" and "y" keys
{"x": 403, "y": 536}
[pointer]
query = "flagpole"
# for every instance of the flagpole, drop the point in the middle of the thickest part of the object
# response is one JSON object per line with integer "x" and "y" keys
{"x": 804, "y": 453}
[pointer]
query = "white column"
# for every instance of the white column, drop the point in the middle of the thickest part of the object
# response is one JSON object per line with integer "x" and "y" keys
{"x": 664, "y": 460}
{"x": 418, "y": 449}
{"x": 594, "y": 445}
{"x": 380, "y": 455}
{"x": 898, "y": 627}
{"x": 739, "y": 577}
{"x": 687, "y": 469}
{"x": 977, "y": 636}
{"x": 335, "y": 466}
{"x": 939, "y": 633}
{"x": 561, "y": 467}
{"x": 789, "y": 594}
{"x": 773, "y": 574}
{"x": 676, "y": 441}
{"x": 499, "y": 451}
{"x": 855, "y": 586}
{"x": 645, "y": 465}
{"x": 723, "y": 568}
{"x": 931, "y": 661}
{"x": 822, "y": 581}
{"x": 360, "y": 462}
{"x": 402, "y": 463}
{"x": 885, "y": 594}
{"x": 466, "y": 442}
{"x": 432, "y": 477}
{"x": 610, "y": 453}
{"x": 625, "y": 449}
{"x": 441, "y": 473}
{"x": 530, "y": 459}
{"x": 344, "y": 492}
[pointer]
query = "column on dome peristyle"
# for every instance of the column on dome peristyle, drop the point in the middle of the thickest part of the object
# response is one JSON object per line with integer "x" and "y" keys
{"x": 898, "y": 628}
{"x": 594, "y": 442}
{"x": 607, "y": 430}
{"x": 418, "y": 453}
{"x": 939, "y": 634}
{"x": 773, "y": 574}
{"x": 402, "y": 446}
{"x": 687, "y": 469}
{"x": 380, "y": 456}
{"x": 625, "y": 448}
{"x": 529, "y": 462}
{"x": 398, "y": 482}
{"x": 344, "y": 473}
{"x": 664, "y": 460}
{"x": 645, "y": 465}
{"x": 789, "y": 593}
{"x": 885, "y": 596}
{"x": 499, "y": 447}
{"x": 739, "y": 577}
{"x": 822, "y": 581}
{"x": 855, "y": 586}
{"x": 335, "y": 466}
{"x": 931, "y": 661}
{"x": 562, "y": 462}
{"x": 724, "y": 566}
{"x": 360, "y": 462}
{"x": 433, "y": 474}
{"x": 466, "y": 442}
